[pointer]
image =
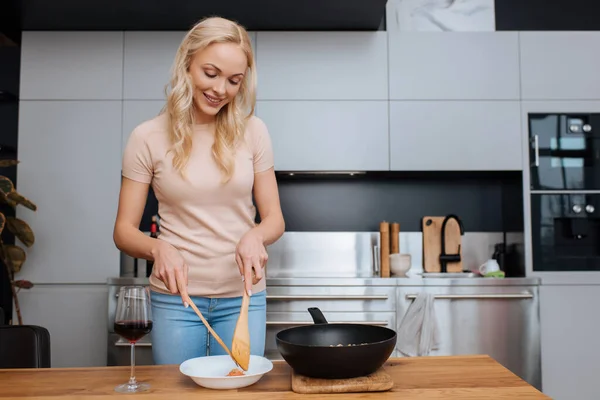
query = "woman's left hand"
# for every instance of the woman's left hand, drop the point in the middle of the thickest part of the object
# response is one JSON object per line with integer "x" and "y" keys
{"x": 251, "y": 257}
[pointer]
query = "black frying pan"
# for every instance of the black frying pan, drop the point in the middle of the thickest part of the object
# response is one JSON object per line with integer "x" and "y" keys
{"x": 313, "y": 350}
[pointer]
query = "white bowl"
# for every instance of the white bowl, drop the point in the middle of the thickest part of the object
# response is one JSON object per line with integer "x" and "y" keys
{"x": 211, "y": 371}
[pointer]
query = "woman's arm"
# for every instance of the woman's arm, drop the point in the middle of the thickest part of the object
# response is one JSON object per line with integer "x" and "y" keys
{"x": 127, "y": 236}
{"x": 266, "y": 195}
{"x": 251, "y": 254}
{"x": 169, "y": 266}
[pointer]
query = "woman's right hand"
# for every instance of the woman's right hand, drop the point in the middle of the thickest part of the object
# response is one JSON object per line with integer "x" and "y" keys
{"x": 170, "y": 268}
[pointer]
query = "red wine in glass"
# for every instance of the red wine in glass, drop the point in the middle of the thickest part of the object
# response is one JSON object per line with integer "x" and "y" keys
{"x": 133, "y": 321}
{"x": 132, "y": 331}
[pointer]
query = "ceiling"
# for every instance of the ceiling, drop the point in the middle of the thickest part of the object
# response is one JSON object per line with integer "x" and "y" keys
{"x": 255, "y": 15}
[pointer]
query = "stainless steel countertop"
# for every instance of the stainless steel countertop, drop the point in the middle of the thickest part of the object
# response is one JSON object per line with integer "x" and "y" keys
{"x": 326, "y": 281}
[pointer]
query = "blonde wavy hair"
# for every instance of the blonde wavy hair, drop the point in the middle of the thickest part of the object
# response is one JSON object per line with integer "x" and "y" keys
{"x": 231, "y": 120}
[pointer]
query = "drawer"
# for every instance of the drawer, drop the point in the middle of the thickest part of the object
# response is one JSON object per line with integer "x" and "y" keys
{"x": 331, "y": 299}
{"x": 277, "y": 322}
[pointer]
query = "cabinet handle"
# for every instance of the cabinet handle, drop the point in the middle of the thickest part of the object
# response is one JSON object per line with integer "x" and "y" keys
{"x": 378, "y": 323}
{"x": 123, "y": 343}
{"x": 536, "y": 149}
{"x": 477, "y": 296}
{"x": 326, "y": 297}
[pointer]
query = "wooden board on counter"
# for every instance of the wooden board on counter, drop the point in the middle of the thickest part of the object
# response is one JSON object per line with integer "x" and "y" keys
{"x": 378, "y": 381}
{"x": 432, "y": 243}
{"x": 456, "y": 377}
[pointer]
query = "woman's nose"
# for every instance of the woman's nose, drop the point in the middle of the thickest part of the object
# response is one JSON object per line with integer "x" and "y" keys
{"x": 219, "y": 87}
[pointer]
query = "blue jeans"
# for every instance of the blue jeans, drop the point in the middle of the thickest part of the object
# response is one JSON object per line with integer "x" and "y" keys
{"x": 178, "y": 334}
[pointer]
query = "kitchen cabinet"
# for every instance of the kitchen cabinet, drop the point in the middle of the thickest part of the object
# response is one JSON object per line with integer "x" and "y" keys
{"x": 455, "y": 135}
{"x": 322, "y": 65}
{"x": 71, "y": 65}
{"x": 135, "y": 112}
{"x": 148, "y": 58}
{"x": 70, "y": 167}
{"x": 73, "y": 314}
{"x": 454, "y": 66}
{"x": 500, "y": 321}
{"x": 327, "y": 135}
{"x": 569, "y": 330}
{"x": 559, "y": 65}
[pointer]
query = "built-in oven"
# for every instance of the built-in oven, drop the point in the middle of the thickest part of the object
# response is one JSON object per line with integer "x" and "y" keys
{"x": 564, "y": 151}
{"x": 564, "y": 167}
{"x": 565, "y": 233}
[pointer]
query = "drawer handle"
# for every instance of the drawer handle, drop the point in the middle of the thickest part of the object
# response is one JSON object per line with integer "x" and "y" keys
{"x": 477, "y": 296}
{"x": 377, "y": 323}
{"x": 123, "y": 343}
{"x": 326, "y": 297}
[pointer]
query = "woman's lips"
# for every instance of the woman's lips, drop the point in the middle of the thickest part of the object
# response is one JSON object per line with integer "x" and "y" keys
{"x": 213, "y": 101}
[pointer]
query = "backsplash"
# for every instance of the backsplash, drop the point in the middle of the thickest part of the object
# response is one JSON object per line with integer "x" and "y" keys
{"x": 352, "y": 254}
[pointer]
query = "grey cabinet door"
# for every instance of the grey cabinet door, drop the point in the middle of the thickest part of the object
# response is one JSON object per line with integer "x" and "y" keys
{"x": 70, "y": 167}
{"x": 322, "y": 65}
{"x": 327, "y": 135}
{"x": 560, "y": 65}
{"x": 455, "y": 135}
{"x": 75, "y": 316}
{"x": 454, "y": 65}
{"x": 567, "y": 317}
{"x": 71, "y": 65}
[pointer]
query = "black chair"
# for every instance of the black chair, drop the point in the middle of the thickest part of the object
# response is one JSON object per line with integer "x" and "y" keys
{"x": 24, "y": 346}
{"x": 1, "y": 316}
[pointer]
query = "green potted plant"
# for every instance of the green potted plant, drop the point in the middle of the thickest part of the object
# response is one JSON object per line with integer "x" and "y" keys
{"x": 12, "y": 255}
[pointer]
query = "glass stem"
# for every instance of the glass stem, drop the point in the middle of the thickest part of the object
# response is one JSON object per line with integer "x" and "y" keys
{"x": 132, "y": 380}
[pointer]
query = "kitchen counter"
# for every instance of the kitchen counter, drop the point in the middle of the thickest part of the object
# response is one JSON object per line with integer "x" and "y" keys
{"x": 458, "y": 377}
{"x": 365, "y": 281}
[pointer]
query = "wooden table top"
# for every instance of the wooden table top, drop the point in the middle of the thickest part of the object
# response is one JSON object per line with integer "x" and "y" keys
{"x": 456, "y": 377}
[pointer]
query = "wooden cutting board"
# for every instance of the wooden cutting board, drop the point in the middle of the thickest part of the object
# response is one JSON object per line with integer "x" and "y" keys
{"x": 432, "y": 244}
{"x": 378, "y": 381}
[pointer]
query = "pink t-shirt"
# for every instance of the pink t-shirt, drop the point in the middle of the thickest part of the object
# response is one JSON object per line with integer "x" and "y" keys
{"x": 202, "y": 217}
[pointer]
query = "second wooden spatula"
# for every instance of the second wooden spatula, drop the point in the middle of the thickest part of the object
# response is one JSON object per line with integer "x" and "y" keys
{"x": 240, "y": 346}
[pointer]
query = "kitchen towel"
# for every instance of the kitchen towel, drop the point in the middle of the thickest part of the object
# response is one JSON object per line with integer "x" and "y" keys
{"x": 418, "y": 331}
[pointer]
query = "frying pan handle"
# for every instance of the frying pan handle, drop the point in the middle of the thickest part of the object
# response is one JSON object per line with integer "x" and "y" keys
{"x": 317, "y": 315}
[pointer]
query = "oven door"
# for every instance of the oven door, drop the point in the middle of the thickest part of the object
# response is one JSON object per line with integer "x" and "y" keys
{"x": 565, "y": 232}
{"x": 564, "y": 151}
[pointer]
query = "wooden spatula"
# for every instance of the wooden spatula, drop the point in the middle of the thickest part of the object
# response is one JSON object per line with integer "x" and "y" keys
{"x": 240, "y": 346}
{"x": 210, "y": 329}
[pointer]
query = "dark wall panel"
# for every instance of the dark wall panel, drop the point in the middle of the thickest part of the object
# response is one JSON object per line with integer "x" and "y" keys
{"x": 547, "y": 15}
{"x": 487, "y": 202}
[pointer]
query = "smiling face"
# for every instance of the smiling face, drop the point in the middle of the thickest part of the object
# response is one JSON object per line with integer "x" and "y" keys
{"x": 217, "y": 73}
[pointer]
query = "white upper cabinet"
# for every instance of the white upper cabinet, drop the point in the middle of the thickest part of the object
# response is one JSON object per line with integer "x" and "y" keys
{"x": 322, "y": 65}
{"x": 327, "y": 135}
{"x": 70, "y": 167}
{"x": 455, "y": 135}
{"x": 71, "y": 66}
{"x": 149, "y": 57}
{"x": 560, "y": 65}
{"x": 454, "y": 65}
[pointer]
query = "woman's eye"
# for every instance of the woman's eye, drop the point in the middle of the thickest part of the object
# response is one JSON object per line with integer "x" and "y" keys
{"x": 234, "y": 82}
{"x": 209, "y": 75}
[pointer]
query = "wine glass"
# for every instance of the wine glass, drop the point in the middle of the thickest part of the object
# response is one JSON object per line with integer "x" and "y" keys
{"x": 133, "y": 321}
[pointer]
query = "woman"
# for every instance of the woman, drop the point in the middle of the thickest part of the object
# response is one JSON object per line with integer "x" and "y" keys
{"x": 205, "y": 155}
